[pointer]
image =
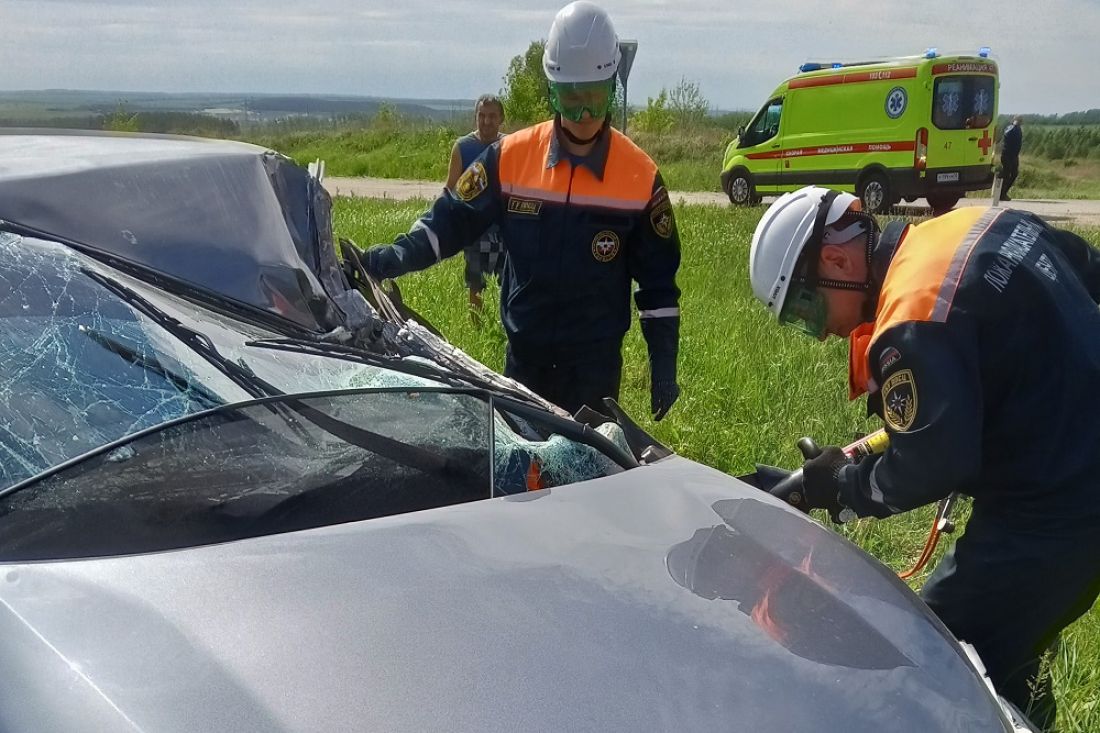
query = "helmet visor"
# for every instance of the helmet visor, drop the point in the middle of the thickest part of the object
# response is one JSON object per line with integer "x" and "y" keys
{"x": 572, "y": 99}
{"x": 806, "y": 310}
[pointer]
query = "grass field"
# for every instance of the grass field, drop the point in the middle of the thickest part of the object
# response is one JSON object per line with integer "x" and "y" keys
{"x": 750, "y": 388}
{"x": 688, "y": 161}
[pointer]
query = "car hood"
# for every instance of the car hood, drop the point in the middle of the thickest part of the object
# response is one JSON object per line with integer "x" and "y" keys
{"x": 669, "y": 597}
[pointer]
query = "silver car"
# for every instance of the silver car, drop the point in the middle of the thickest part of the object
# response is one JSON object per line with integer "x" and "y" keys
{"x": 243, "y": 488}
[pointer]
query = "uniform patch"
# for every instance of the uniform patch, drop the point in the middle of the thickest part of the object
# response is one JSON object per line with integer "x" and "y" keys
{"x": 899, "y": 400}
{"x": 890, "y": 357}
{"x": 517, "y": 205}
{"x": 660, "y": 214}
{"x": 472, "y": 182}
{"x": 605, "y": 246}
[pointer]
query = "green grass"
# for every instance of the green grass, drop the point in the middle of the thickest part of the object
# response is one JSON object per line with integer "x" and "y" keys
{"x": 750, "y": 388}
{"x": 383, "y": 151}
{"x": 1060, "y": 179}
{"x": 689, "y": 161}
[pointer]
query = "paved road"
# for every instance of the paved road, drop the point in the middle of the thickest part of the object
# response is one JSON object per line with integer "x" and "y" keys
{"x": 1055, "y": 211}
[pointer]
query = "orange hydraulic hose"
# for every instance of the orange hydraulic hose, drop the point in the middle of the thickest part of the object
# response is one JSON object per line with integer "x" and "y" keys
{"x": 876, "y": 442}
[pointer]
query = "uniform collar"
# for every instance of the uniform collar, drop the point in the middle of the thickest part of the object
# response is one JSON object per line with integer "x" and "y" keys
{"x": 595, "y": 161}
{"x": 883, "y": 254}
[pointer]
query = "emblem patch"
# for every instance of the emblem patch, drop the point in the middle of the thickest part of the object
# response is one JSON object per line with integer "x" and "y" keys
{"x": 524, "y": 206}
{"x": 896, "y": 102}
{"x": 472, "y": 182}
{"x": 660, "y": 214}
{"x": 890, "y": 357}
{"x": 605, "y": 246}
{"x": 899, "y": 400}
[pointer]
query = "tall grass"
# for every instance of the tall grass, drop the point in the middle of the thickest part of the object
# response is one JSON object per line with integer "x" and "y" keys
{"x": 750, "y": 388}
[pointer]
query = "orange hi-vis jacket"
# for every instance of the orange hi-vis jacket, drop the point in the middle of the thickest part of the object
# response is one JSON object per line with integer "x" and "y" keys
{"x": 576, "y": 233}
{"x": 983, "y": 360}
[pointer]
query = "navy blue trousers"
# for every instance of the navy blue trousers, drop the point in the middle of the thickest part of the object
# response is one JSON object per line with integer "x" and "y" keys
{"x": 583, "y": 380}
{"x": 1009, "y": 587}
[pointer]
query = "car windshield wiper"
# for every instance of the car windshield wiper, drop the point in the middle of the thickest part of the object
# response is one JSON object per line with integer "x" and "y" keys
{"x": 434, "y": 372}
{"x": 239, "y": 374}
{"x": 153, "y": 364}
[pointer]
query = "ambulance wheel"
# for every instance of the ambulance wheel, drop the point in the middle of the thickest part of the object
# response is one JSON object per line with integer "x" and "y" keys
{"x": 943, "y": 202}
{"x": 874, "y": 192}
{"x": 740, "y": 189}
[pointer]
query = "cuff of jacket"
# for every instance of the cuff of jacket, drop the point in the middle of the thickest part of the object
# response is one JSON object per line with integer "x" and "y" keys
{"x": 662, "y": 336}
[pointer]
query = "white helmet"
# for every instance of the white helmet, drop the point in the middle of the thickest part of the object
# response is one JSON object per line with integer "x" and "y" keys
{"x": 582, "y": 45}
{"x": 781, "y": 235}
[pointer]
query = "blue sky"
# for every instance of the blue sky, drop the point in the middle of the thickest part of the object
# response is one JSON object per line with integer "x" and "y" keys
{"x": 736, "y": 51}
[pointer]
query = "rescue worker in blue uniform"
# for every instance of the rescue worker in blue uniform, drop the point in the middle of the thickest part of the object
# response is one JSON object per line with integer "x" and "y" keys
{"x": 584, "y": 212}
{"x": 977, "y": 336}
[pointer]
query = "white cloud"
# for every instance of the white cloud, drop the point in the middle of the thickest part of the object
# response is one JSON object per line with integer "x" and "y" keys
{"x": 737, "y": 51}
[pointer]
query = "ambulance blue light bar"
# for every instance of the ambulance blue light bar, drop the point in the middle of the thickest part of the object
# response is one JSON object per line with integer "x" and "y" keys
{"x": 931, "y": 53}
{"x": 984, "y": 52}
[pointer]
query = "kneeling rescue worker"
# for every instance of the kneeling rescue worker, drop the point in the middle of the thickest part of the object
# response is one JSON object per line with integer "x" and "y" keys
{"x": 583, "y": 212}
{"x": 977, "y": 337}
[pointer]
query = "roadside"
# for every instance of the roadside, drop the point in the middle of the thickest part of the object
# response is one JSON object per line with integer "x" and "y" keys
{"x": 1086, "y": 212}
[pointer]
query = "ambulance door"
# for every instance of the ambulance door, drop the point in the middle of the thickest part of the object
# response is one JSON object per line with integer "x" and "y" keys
{"x": 763, "y": 138}
{"x": 962, "y": 115}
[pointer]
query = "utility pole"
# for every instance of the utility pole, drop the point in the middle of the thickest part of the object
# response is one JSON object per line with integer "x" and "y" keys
{"x": 628, "y": 49}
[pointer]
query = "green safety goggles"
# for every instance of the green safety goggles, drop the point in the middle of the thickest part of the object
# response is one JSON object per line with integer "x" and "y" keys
{"x": 572, "y": 99}
{"x": 806, "y": 310}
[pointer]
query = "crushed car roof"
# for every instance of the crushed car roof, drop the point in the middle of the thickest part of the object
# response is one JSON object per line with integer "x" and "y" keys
{"x": 225, "y": 217}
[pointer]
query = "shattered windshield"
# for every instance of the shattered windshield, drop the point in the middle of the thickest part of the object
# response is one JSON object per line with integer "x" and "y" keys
{"x": 81, "y": 367}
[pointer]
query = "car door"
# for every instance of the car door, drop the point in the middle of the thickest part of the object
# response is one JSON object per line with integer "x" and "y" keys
{"x": 762, "y": 143}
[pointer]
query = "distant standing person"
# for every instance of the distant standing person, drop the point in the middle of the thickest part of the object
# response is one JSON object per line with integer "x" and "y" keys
{"x": 1010, "y": 157}
{"x": 485, "y": 255}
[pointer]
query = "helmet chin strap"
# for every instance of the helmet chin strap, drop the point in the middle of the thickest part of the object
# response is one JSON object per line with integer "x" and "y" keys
{"x": 580, "y": 141}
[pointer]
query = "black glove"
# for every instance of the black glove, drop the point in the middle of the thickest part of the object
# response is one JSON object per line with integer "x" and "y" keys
{"x": 662, "y": 336}
{"x": 662, "y": 393}
{"x": 821, "y": 480}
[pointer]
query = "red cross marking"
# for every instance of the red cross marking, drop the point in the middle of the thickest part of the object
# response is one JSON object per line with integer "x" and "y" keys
{"x": 985, "y": 142}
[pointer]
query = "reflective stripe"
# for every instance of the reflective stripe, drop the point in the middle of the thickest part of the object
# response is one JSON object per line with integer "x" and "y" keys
{"x": 432, "y": 238}
{"x": 538, "y": 194}
{"x": 958, "y": 263}
{"x": 876, "y": 493}
{"x": 660, "y": 313}
{"x": 609, "y": 203}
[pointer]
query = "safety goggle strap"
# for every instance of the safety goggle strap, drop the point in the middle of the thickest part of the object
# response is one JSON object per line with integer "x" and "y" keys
{"x": 817, "y": 235}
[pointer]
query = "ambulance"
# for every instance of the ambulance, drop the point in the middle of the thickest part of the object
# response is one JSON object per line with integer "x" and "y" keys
{"x": 902, "y": 128}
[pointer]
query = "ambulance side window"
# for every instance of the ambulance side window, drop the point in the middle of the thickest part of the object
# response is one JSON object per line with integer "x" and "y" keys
{"x": 765, "y": 125}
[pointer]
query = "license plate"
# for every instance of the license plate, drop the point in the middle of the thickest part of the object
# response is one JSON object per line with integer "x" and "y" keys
{"x": 946, "y": 177}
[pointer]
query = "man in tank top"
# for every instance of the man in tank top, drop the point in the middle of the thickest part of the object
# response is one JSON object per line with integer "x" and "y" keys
{"x": 484, "y": 256}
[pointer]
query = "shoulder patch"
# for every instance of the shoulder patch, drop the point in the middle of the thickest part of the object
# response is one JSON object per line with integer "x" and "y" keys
{"x": 889, "y": 357}
{"x": 899, "y": 401}
{"x": 472, "y": 182}
{"x": 660, "y": 214}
